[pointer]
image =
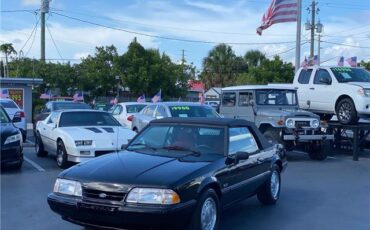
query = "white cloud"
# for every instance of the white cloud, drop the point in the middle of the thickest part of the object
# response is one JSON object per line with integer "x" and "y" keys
{"x": 209, "y": 6}
{"x": 80, "y": 55}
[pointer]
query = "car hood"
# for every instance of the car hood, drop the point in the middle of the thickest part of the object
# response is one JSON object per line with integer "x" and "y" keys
{"x": 129, "y": 168}
{"x": 285, "y": 112}
{"x": 6, "y": 130}
{"x": 99, "y": 134}
{"x": 365, "y": 85}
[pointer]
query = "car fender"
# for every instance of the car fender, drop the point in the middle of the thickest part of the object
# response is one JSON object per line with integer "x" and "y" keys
{"x": 209, "y": 182}
{"x": 67, "y": 140}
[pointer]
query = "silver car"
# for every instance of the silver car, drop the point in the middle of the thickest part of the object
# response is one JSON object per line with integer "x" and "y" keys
{"x": 171, "y": 109}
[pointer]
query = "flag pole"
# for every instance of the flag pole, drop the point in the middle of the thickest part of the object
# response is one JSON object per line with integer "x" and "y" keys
{"x": 298, "y": 38}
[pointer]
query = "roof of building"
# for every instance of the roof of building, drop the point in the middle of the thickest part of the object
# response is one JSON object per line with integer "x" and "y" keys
{"x": 253, "y": 87}
{"x": 21, "y": 80}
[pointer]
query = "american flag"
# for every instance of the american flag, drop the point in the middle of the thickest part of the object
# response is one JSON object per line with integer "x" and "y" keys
{"x": 79, "y": 96}
{"x": 141, "y": 99}
{"x": 202, "y": 99}
{"x": 157, "y": 97}
{"x": 313, "y": 60}
{"x": 4, "y": 93}
{"x": 341, "y": 61}
{"x": 304, "y": 64}
{"x": 279, "y": 11}
{"x": 352, "y": 61}
{"x": 46, "y": 95}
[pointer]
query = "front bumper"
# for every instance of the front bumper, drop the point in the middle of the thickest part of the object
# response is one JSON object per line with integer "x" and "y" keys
{"x": 80, "y": 212}
{"x": 75, "y": 154}
{"x": 299, "y": 137}
{"x": 11, "y": 154}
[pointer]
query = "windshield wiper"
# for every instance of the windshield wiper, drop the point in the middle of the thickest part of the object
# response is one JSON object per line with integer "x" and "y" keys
{"x": 179, "y": 148}
{"x": 141, "y": 144}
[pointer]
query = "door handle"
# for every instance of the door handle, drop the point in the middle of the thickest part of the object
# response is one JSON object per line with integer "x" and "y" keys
{"x": 312, "y": 88}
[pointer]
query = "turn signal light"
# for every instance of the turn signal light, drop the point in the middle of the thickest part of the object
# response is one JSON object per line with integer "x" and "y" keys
{"x": 129, "y": 118}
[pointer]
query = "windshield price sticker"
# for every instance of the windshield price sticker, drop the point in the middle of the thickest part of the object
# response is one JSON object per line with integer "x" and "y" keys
{"x": 342, "y": 69}
{"x": 180, "y": 108}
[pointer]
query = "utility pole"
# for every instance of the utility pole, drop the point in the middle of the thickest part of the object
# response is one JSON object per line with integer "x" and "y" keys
{"x": 318, "y": 49}
{"x": 313, "y": 13}
{"x": 183, "y": 57}
{"x": 44, "y": 9}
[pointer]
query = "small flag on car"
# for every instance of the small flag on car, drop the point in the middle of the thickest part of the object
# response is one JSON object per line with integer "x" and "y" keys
{"x": 141, "y": 99}
{"x": 352, "y": 61}
{"x": 157, "y": 97}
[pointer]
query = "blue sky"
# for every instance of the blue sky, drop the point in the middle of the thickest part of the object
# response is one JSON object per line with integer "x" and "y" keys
{"x": 232, "y": 21}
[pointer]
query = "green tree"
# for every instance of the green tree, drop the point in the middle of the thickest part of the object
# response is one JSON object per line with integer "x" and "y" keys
{"x": 366, "y": 65}
{"x": 221, "y": 67}
{"x": 254, "y": 58}
{"x": 7, "y": 49}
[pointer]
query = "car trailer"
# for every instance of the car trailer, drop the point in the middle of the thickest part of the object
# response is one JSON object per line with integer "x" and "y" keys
{"x": 359, "y": 131}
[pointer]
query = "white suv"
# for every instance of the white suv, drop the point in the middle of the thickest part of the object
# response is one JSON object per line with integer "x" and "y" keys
{"x": 12, "y": 109}
{"x": 344, "y": 91}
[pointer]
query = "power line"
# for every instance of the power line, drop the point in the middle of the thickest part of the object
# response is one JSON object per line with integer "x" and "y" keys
{"x": 19, "y": 11}
{"x": 354, "y": 46}
{"x": 33, "y": 40}
{"x": 55, "y": 45}
{"x": 33, "y": 30}
{"x": 170, "y": 38}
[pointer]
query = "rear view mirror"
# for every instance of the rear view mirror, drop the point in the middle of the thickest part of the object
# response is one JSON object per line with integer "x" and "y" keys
{"x": 16, "y": 119}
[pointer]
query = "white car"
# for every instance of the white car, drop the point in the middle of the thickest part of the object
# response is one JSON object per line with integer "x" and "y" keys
{"x": 12, "y": 109}
{"x": 125, "y": 111}
{"x": 80, "y": 135}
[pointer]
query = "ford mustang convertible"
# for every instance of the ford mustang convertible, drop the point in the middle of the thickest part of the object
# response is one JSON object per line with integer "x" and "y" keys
{"x": 79, "y": 135}
{"x": 176, "y": 173}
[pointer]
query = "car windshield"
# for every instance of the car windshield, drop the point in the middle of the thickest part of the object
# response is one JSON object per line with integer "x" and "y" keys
{"x": 134, "y": 108}
{"x": 9, "y": 104}
{"x": 192, "y": 111}
{"x": 348, "y": 74}
{"x": 71, "y": 105}
{"x": 201, "y": 142}
{"x": 3, "y": 116}
{"x": 68, "y": 119}
{"x": 276, "y": 97}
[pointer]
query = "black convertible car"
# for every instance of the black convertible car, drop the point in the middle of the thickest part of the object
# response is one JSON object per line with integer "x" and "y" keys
{"x": 177, "y": 172}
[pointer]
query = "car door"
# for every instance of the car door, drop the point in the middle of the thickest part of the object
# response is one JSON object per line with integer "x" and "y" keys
{"x": 321, "y": 89}
{"x": 242, "y": 176}
{"x": 146, "y": 117}
{"x": 49, "y": 138}
{"x": 228, "y": 104}
{"x": 117, "y": 112}
{"x": 303, "y": 87}
{"x": 244, "y": 109}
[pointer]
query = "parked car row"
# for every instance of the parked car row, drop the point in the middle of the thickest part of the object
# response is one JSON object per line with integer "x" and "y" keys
{"x": 13, "y": 110}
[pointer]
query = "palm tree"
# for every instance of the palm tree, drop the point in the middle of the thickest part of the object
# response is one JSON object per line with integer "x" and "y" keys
{"x": 254, "y": 58}
{"x": 7, "y": 49}
{"x": 219, "y": 67}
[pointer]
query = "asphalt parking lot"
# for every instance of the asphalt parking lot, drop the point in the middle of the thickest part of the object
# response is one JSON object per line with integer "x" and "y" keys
{"x": 333, "y": 194}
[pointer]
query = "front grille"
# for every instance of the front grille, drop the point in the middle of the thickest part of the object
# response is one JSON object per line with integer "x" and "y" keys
{"x": 102, "y": 195}
{"x": 100, "y": 153}
{"x": 302, "y": 123}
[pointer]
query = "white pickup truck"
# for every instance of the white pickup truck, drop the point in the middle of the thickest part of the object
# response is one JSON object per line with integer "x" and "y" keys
{"x": 343, "y": 91}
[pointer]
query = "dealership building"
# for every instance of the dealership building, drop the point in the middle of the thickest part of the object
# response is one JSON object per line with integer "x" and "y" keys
{"x": 20, "y": 90}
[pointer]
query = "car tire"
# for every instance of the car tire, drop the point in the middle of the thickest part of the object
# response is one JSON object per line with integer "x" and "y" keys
{"x": 346, "y": 112}
{"x": 319, "y": 151}
{"x": 135, "y": 130}
{"x": 19, "y": 164}
{"x": 62, "y": 158}
{"x": 273, "y": 136}
{"x": 39, "y": 146}
{"x": 269, "y": 192}
{"x": 207, "y": 211}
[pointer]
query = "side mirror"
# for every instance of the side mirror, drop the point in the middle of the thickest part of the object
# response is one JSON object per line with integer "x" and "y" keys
{"x": 54, "y": 126}
{"x": 235, "y": 158}
{"x": 16, "y": 119}
{"x": 124, "y": 146}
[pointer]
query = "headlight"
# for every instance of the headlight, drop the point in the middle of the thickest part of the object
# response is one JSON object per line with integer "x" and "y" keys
{"x": 289, "y": 123}
{"x": 152, "y": 196}
{"x": 315, "y": 124}
{"x": 68, "y": 187}
{"x": 364, "y": 92}
{"x": 83, "y": 142}
{"x": 13, "y": 138}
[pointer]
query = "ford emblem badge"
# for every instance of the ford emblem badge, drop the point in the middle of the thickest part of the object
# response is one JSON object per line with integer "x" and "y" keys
{"x": 103, "y": 195}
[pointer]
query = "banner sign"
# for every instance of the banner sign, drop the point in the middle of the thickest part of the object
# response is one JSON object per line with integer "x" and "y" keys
{"x": 17, "y": 95}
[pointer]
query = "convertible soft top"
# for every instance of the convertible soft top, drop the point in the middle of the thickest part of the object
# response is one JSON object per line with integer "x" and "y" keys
{"x": 229, "y": 122}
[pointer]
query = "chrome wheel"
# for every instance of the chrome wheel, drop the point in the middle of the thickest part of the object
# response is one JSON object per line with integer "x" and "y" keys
{"x": 208, "y": 216}
{"x": 344, "y": 112}
{"x": 60, "y": 154}
{"x": 275, "y": 184}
